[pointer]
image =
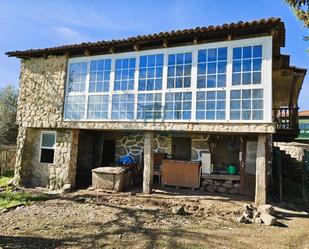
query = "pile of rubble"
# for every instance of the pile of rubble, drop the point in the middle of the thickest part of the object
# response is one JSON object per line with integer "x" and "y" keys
{"x": 263, "y": 214}
{"x": 221, "y": 186}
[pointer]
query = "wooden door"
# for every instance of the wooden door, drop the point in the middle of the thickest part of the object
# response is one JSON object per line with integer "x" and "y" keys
{"x": 248, "y": 171}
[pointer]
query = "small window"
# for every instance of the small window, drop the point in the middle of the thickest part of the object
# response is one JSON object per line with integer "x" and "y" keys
{"x": 48, "y": 141}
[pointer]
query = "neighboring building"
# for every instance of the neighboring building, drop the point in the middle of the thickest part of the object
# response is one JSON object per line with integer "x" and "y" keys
{"x": 221, "y": 90}
{"x": 303, "y": 119}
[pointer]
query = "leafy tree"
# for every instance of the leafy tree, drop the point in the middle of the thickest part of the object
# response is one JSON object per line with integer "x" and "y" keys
{"x": 301, "y": 10}
{"x": 8, "y": 108}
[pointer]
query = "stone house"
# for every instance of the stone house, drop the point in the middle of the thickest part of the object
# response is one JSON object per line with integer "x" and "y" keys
{"x": 223, "y": 90}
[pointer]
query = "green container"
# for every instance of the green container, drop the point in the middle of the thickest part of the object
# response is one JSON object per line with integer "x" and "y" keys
{"x": 231, "y": 169}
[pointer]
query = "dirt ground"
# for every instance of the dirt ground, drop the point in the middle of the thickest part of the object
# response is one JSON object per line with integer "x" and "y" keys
{"x": 96, "y": 219}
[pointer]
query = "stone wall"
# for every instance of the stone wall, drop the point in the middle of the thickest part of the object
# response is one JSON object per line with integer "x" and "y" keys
{"x": 295, "y": 150}
{"x": 41, "y": 94}
{"x": 133, "y": 145}
{"x": 30, "y": 172}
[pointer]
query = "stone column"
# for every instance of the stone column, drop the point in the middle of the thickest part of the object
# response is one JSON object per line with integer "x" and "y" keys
{"x": 148, "y": 162}
{"x": 261, "y": 164}
{"x": 73, "y": 153}
{"x": 21, "y": 137}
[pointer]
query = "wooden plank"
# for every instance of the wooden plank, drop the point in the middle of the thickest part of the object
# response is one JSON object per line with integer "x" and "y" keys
{"x": 221, "y": 177}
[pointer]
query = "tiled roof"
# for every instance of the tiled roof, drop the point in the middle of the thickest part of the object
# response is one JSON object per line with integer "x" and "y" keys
{"x": 303, "y": 113}
{"x": 253, "y": 27}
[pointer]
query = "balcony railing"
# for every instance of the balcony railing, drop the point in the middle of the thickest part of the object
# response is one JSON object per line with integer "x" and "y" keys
{"x": 286, "y": 118}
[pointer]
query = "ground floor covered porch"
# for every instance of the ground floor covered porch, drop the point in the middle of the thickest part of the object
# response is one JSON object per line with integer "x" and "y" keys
{"x": 235, "y": 163}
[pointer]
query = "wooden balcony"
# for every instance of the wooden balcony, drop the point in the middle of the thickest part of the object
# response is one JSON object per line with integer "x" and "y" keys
{"x": 286, "y": 119}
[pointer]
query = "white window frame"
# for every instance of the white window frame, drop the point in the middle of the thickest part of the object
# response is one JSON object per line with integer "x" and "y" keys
{"x": 266, "y": 79}
{"x": 49, "y": 148}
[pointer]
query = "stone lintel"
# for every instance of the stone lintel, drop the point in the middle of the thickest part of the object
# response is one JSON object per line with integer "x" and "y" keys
{"x": 237, "y": 128}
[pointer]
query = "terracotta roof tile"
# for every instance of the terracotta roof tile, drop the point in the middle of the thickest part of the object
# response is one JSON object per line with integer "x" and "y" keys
{"x": 77, "y": 48}
{"x": 303, "y": 113}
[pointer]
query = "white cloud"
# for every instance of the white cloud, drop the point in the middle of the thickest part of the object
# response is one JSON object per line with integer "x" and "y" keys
{"x": 69, "y": 35}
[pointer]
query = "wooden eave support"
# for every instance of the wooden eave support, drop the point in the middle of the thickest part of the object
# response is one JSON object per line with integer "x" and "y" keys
{"x": 111, "y": 50}
{"x": 87, "y": 52}
{"x": 136, "y": 47}
{"x": 195, "y": 40}
{"x": 165, "y": 43}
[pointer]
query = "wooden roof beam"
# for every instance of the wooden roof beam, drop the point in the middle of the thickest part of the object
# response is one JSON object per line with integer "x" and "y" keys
{"x": 111, "y": 50}
{"x": 87, "y": 52}
{"x": 136, "y": 47}
{"x": 165, "y": 43}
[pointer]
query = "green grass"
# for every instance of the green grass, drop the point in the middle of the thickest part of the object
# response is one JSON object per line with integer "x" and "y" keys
{"x": 10, "y": 198}
{"x": 4, "y": 180}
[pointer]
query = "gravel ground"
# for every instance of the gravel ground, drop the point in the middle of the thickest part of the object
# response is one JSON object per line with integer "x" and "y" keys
{"x": 94, "y": 219}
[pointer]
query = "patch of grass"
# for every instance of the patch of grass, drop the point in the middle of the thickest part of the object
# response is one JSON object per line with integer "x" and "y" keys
{"x": 10, "y": 198}
{"x": 4, "y": 180}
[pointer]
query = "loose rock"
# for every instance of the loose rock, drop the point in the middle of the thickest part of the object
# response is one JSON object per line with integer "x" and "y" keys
{"x": 268, "y": 219}
{"x": 267, "y": 209}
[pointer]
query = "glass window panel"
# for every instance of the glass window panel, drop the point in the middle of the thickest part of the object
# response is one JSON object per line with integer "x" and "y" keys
{"x": 215, "y": 65}
{"x": 247, "y": 52}
{"x": 75, "y": 107}
{"x": 98, "y": 107}
{"x": 202, "y": 55}
{"x": 77, "y": 77}
{"x": 211, "y": 68}
{"x": 201, "y": 81}
{"x": 257, "y": 93}
{"x": 183, "y": 64}
{"x": 256, "y": 78}
{"x": 123, "y": 106}
{"x": 211, "y": 81}
{"x": 246, "y": 65}
{"x": 247, "y": 103}
{"x": 221, "y": 81}
{"x": 257, "y": 64}
{"x": 237, "y": 53}
{"x": 124, "y": 74}
{"x": 222, "y": 54}
{"x": 235, "y": 115}
{"x": 246, "y": 78}
{"x": 257, "y": 115}
{"x": 257, "y": 51}
{"x": 48, "y": 140}
{"x": 247, "y": 59}
{"x": 236, "y": 79}
{"x": 178, "y": 105}
{"x": 212, "y": 54}
{"x": 222, "y": 67}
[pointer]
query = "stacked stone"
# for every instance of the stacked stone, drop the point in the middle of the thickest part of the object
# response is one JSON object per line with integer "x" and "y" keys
{"x": 221, "y": 186}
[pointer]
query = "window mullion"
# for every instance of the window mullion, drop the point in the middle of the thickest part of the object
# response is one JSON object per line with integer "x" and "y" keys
{"x": 136, "y": 75}
{"x": 228, "y": 82}
{"x": 87, "y": 89}
{"x": 111, "y": 89}
{"x": 194, "y": 83}
{"x": 164, "y": 83}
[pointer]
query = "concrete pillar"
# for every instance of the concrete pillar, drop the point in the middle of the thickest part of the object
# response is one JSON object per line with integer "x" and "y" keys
{"x": 148, "y": 162}
{"x": 261, "y": 165}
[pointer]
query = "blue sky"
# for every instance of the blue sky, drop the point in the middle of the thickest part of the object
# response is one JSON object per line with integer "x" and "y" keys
{"x": 42, "y": 23}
